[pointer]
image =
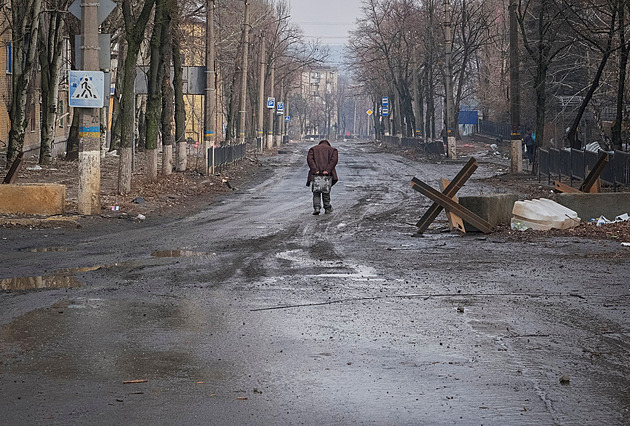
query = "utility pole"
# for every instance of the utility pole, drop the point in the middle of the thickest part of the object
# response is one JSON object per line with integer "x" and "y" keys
{"x": 278, "y": 131}
{"x": 261, "y": 95}
{"x": 88, "y": 199}
{"x": 210, "y": 110}
{"x": 272, "y": 111}
{"x": 354, "y": 120}
{"x": 516, "y": 163}
{"x": 450, "y": 110}
{"x": 244, "y": 65}
{"x": 416, "y": 98}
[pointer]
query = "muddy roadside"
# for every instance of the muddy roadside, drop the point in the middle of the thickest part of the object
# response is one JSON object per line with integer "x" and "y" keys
{"x": 176, "y": 195}
{"x": 184, "y": 193}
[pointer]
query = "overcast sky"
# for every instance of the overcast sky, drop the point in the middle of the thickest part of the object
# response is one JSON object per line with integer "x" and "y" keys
{"x": 327, "y": 20}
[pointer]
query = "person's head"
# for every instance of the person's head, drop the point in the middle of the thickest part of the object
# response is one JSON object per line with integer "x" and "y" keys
{"x": 324, "y": 141}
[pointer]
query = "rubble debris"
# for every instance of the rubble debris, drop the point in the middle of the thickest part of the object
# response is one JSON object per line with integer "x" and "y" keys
{"x": 603, "y": 221}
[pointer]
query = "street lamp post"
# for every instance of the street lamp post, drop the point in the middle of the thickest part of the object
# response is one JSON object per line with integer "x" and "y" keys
{"x": 88, "y": 197}
{"x": 450, "y": 110}
{"x": 209, "y": 116}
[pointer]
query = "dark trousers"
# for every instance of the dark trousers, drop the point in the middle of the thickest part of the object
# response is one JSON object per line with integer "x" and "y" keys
{"x": 317, "y": 197}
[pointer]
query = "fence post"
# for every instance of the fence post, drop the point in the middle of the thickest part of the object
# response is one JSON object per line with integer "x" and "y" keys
{"x": 212, "y": 148}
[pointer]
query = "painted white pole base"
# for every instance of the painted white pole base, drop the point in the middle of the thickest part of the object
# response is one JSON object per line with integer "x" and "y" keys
{"x": 451, "y": 147}
{"x": 88, "y": 197}
{"x": 516, "y": 157}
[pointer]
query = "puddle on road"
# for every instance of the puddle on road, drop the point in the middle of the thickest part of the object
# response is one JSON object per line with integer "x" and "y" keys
{"x": 113, "y": 340}
{"x": 180, "y": 253}
{"x": 61, "y": 278}
{"x": 51, "y": 249}
{"x": 41, "y": 282}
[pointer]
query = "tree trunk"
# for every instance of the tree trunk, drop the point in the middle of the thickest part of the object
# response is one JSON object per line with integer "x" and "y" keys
{"x": 180, "y": 110}
{"x": 72, "y": 143}
{"x": 134, "y": 33}
{"x": 24, "y": 56}
{"x": 167, "y": 91}
{"x": 115, "y": 133}
{"x": 623, "y": 66}
{"x": 51, "y": 45}
{"x": 154, "y": 98}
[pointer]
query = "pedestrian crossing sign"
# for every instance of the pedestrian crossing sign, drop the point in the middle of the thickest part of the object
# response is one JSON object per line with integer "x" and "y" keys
{"x": 86, "y": 89}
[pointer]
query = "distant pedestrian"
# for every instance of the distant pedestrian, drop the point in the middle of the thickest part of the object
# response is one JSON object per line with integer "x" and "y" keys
{"x": 322, "y": 159}
{"x": 530, "y": 145}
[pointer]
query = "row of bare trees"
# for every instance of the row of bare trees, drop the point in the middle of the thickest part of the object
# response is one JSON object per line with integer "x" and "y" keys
{"x": 162, "y": 35}
{"x": 575, "y": 49}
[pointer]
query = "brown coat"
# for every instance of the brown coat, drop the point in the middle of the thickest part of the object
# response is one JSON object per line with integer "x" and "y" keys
{"x": 322, "y": 158}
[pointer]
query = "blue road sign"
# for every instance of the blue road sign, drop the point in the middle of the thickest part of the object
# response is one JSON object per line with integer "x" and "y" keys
{"x": 287, "y": 118}
{"x": 271, "y": 103}
{"x": 280, "y": 106}
{"x": 385, "y": 101}
{"x": 87, "y": 89}
{"x": 385, "y": 111}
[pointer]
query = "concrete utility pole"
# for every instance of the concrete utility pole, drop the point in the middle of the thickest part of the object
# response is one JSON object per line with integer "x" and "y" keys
{"x": 244, "y": 65}
{"x": 416, "y": 97}
{"x": 272, "y": 111}
{"x": 261, "y": 95}
{"x": 88, "y": 199}
{"x": 516, "y": 163}
{"x": 450, "y": 110}
{"x": 354, "y": 120}
{"x": 211, "y": 106}
{"x": 287, "y": 112}
{"x": 278, "y": 130}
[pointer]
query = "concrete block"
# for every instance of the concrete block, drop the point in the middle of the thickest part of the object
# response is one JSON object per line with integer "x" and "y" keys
{"x": 32, "y": 198}
{"x": 587, "y": 206}
{"x": 494, "y": 208}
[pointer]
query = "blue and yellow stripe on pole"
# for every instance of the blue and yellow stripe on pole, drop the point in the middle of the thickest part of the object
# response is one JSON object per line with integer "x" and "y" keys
{"x": 90, "y": 132}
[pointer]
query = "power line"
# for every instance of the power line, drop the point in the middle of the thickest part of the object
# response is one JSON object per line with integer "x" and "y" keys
{"x": 345, "y": 24}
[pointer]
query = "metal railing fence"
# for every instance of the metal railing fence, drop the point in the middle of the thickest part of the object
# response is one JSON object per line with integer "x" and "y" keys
{"x": 221, "y": 156}
{"x": 497, "y": 130}
{"x": 575, "y": 164}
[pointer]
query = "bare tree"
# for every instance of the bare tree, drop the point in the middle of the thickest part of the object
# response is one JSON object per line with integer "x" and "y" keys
{"x": 51, "y": 43}
{"x": 134, "y": 34}
{"x": 594, "y": 25}
{"x": 25, "y": 21}
{"x": 544, "y": 40}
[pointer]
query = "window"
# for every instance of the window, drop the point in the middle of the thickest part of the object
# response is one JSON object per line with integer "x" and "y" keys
{"x": 60, "y": 112}
{"x": 31, "y": 118}
{"x": 9, "y": 58}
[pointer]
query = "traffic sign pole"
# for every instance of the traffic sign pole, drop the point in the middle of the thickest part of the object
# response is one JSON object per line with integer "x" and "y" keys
{"x": 88, "y": 198}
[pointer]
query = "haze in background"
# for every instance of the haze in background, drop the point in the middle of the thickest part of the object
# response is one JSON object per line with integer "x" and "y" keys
{"x": 327, "y": 21}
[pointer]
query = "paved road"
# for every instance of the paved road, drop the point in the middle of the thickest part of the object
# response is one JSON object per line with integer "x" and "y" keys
{"x": 273, "y": 316}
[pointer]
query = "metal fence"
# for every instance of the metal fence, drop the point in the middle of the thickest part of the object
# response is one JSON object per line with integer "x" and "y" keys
{"x": 498, "y": 130}
{"x": 221, "y": 156}
{"x": 430, "y": 148}
{"x": 576, "y": 164}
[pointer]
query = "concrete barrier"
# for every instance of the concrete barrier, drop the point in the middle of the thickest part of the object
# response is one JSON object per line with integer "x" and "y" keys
{"x": 494, "y": 208}
{"x": 32, "y": 198}
{"x": 587, "y": 206}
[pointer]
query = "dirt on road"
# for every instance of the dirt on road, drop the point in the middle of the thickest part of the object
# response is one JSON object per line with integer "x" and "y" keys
{"x": 183, "y": 193}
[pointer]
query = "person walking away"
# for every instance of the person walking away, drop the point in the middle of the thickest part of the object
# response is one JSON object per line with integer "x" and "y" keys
{"x": 530, "y": 145}
{"x": 322, "y": 159}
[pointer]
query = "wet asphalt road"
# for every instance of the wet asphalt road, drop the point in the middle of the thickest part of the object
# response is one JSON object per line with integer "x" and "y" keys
{"x": 273, "y": 316}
